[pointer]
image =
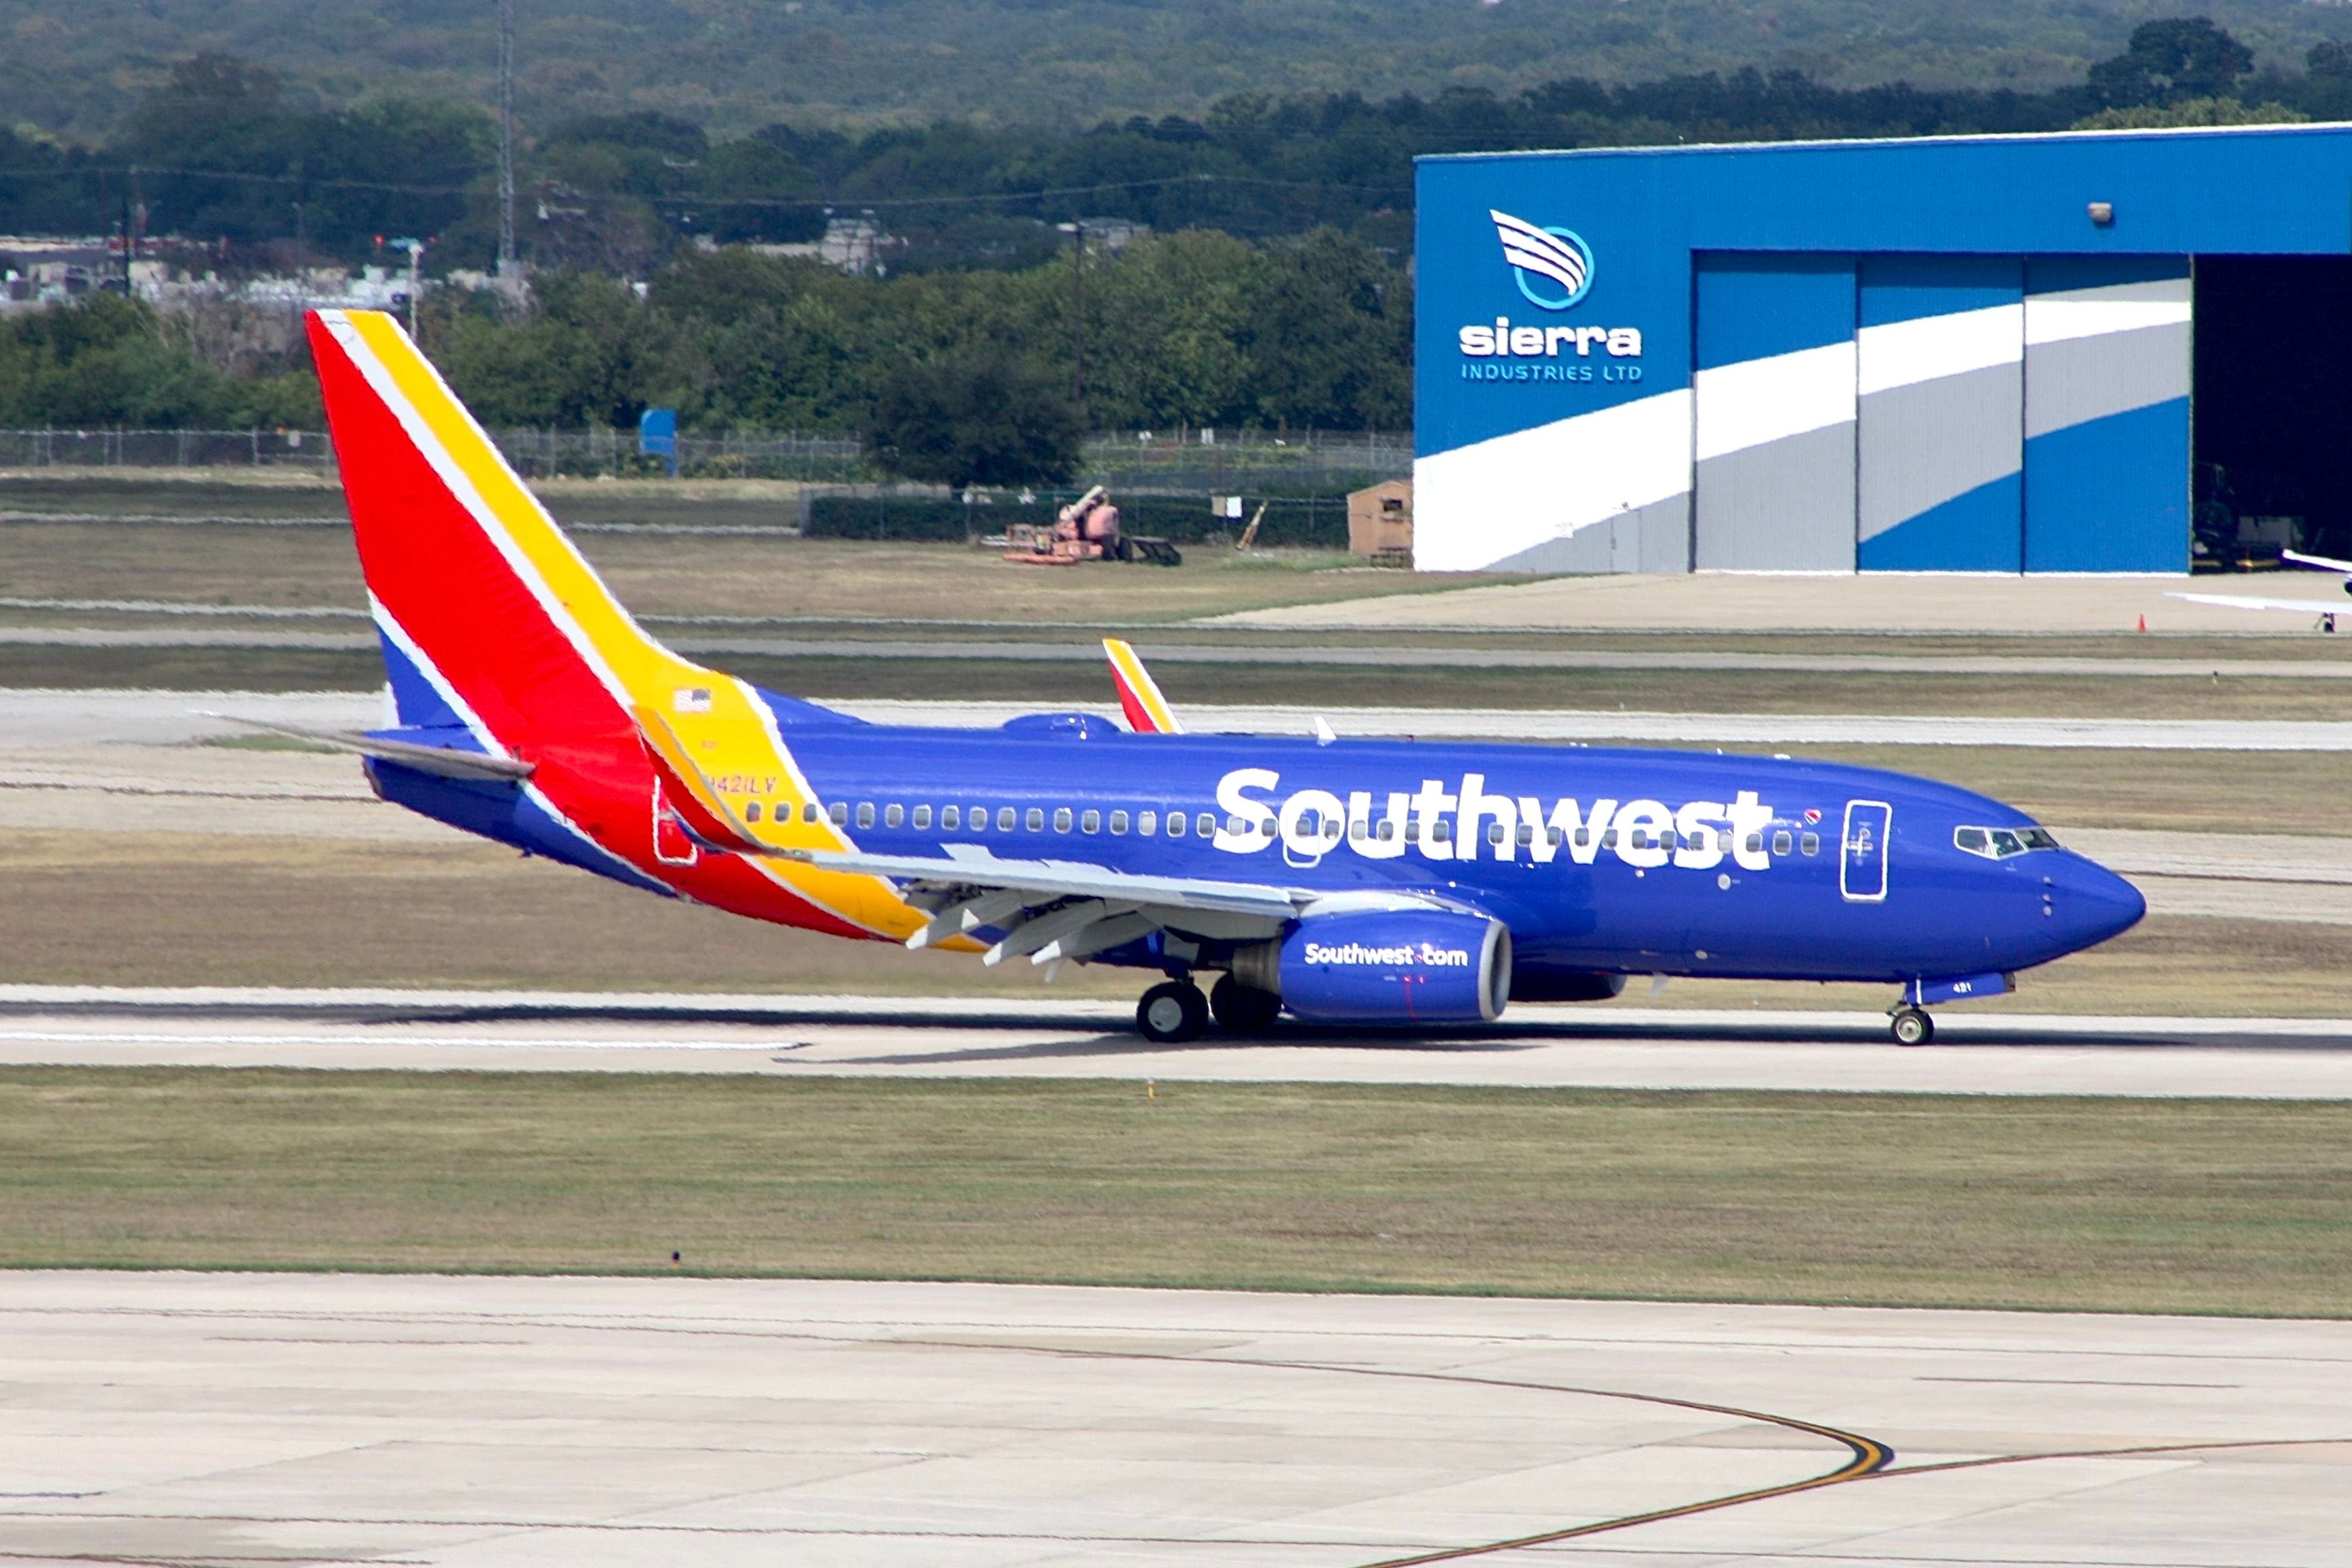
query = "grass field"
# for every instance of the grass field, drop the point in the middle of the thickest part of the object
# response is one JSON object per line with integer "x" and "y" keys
{"x": 2210, "y": 1206}
{"x": 190, "y": 909}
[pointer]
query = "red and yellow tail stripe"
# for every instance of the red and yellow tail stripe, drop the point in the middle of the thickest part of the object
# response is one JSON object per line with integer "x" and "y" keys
{"x": 1147, "y": 711}
{"x": 474, "y": 578}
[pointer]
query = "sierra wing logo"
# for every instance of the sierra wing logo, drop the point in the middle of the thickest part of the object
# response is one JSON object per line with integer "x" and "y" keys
{"x": 1553, "y": 265}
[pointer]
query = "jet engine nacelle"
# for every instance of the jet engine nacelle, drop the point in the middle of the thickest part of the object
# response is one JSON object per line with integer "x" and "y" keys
{"x": 1387, "y": 966}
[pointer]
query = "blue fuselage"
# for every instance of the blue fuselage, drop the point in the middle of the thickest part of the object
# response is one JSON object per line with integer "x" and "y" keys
{"x": 1689, "y": 863}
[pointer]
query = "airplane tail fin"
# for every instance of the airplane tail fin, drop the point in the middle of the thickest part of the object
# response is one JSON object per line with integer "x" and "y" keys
{"x": 491, "y": 619}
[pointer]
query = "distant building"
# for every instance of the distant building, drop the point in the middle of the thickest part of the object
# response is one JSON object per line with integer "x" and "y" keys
{"x": 1380, "y": 519}
{"x": 1114, "y": 233}
{"x": 1963, "y": 353}
{"x": 854, "y": 245}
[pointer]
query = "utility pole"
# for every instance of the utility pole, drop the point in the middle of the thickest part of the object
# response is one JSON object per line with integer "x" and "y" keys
{"x": 1078, "y": 317}
{"x": 507, "y": 265}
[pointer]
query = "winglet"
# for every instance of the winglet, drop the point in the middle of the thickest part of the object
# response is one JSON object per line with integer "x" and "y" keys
{"x": 1147, "y": 711}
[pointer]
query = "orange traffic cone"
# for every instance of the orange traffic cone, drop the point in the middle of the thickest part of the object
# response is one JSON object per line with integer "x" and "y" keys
{"x": 2143, "y": 622}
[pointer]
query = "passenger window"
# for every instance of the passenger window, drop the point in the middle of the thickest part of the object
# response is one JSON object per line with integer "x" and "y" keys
{"x": 894, "y": 816}
{"x": 1005, "y": 817}
{"x": 1357, "y": 829}
{"x": 1206, "y": 825}
{"x": 1118, "y": 822}
{"x": 1494, "y": 833}
{"x": 922, "y": 817}
{"x": 1558, "y": 836}
{"x": 1811, "y": 844}
{"x": 840, "y": 813}
{"x": 1176, "y": 824}
{"x": 1091, "y": 822}
{"x": 1583, "y": 836}
{"x": 1782, "y": 843}
{"x": 1609, "y": 840}
{"x": 1061, "y": 819}
{"x": 808, "y": 812}
{"x": 865, "y": 813}
{"x": 1331, "y": 829}
{"x": 1527, "y": 834}
{"x": 1388, "y": 830}
{"x": 751, "y": 812}
{"x": 1755, "y": 843}
{"x": 951, "y": 816}
{"x": 1445, "y": 830}
{"x": 1034, "y": 819}
{"x": 1234, "y": 825}
{"x": 1146, "y": 823}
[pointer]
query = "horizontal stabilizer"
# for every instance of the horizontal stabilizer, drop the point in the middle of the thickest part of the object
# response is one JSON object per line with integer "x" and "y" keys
{"x": 447, "y": 762}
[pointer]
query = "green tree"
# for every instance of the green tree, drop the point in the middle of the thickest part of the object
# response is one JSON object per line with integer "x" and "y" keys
{"x": 1329, "y": 336}
{"x": 989, "y": 423}
{"x": 2168, "y": 61}
{"x": 1166, "y": 318}
{"x": 590, "y": 353}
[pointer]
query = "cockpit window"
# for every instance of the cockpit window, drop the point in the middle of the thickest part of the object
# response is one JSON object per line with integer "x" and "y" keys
{"x": 2000, "y": 844}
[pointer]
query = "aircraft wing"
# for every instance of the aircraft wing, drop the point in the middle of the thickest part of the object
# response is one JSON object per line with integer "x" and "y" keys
{"x": 2257, "y": 601}
{"x": 2321, "y": 562}
{"x": 1054, "y": 909}
{"x": 446, "y": 762}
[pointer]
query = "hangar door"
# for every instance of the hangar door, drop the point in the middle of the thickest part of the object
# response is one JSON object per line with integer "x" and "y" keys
{"x": 1941, "y": 413}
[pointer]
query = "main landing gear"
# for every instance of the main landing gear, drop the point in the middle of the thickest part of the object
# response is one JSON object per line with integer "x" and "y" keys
{"x": 1911, "y": 1026}
{"x": 1174, "y": 1011}
{"x": 1243, "y": 1010}
{"x": 1171, "y": 1013}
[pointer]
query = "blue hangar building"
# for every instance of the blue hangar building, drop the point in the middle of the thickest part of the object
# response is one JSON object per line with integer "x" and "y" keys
{"x": 1983, "y": 354}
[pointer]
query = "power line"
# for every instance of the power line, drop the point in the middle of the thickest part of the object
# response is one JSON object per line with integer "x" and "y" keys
{"x": 806, "y": 204}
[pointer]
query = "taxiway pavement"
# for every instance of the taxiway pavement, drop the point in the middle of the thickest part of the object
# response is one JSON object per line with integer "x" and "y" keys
{"x": 1614, "y": 1046}
{"x": 478, "y": 1422}
{"x": 32, "y": 718}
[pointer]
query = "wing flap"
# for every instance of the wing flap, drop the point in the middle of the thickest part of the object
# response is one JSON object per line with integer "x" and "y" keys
{"x": 1067, "y": 879}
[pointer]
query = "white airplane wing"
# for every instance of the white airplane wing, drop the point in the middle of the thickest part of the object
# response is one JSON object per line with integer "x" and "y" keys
{"x": 2258, "y": 602}
{"x": 1053, "y": 910}
{"x": 2320, "y": 563}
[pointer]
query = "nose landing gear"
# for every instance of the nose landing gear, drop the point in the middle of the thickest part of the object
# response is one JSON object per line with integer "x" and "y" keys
{"x": 1911, "y": 1026}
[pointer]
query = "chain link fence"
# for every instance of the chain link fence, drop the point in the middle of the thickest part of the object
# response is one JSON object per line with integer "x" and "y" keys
{"x": 879, "y": 512}
{"x": 1253, "y": 462}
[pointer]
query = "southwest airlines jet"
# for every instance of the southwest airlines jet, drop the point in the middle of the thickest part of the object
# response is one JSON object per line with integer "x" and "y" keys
{"x": 1344, "y": 882}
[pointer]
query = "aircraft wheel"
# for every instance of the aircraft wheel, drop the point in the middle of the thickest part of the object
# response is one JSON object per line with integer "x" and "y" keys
{"x": 1171, "y": 1013}
{"x": 1912, "y": 1027}
{"x": 1242, "y": 1010}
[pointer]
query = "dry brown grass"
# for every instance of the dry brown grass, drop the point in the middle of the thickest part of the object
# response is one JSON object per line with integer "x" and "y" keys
{"x": 2150, "y": 1206}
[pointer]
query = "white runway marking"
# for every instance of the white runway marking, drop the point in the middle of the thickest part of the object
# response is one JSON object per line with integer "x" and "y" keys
{"x": 1611, "y": 1047}
{"x": 483, "y": 1422}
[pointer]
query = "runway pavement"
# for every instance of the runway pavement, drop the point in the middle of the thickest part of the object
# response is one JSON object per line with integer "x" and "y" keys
{"x": 480, "y": 1422}
{"x": 1620, "y": 1046}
